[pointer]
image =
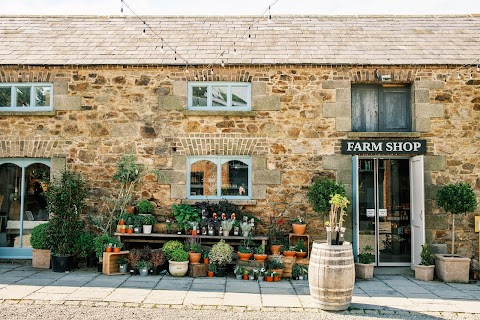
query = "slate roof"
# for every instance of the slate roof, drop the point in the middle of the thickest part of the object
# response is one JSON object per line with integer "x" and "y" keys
{"x": 325, "y": 40}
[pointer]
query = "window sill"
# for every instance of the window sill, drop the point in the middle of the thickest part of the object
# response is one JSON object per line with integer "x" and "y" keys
{"x": 216, "y": 113}
{"x": 234, "y": 201}
{"x": 27, "y": 113}
{"x": 383, "y": 134}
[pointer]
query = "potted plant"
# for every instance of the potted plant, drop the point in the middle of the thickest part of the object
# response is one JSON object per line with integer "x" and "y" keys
{"x": 221, "y": 254}
{"x": 65, "y": 201}
{"x": 238, "y": 271}
{"x": 276, "y": 265}
{"x": 40, "y": 247}
{"x": 296, "y": 270}
{"x": 143, "y": 267}
{"x": 122, "y": 263}
{"x": 84, "y": 248}
{"x": 157, "y": 259}
{"x": 178, "y": 263}
{"x": 144, "y": 207}
{"x": 102, "y": 242}
{"x": 137, "y": 223}
{"x": 268, "y": 276}
{"x": 212, "y": 268}
{"x": 425, "y": 270}
{"x": 457, "y": 198}
{"x": 134, "y": 255}
{"x": 148, "y": 221}
{"x": 261, "y": 274}
{"x": 227, "y": 226}
{"x": 194, "y": 252}
{"x": 364, "y": 266}
{"x": 299, "y": 226}
{"x": 246, "y": 228}
{"x": 205, "y": 256}
{"x": 259, "y": 254}
{"x": 244, "y": 253}
{"x": 171, "y": 246}
{"x": 300, "y": 249}
{"x": 290, "y": 252}
{"x": 184, "y": 214}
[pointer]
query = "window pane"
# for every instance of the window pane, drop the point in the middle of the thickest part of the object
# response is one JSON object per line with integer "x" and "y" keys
{"x": 42, "y": 96}
{"x": 23, "y": 96}
{"x": 219, "y": 96}
{"x": 199, "y": 96}
{"x": 239, "y": 96}
{"x": 234, "y": 178}
{"x": 203, "y": 178}
{"x": 36, "y": 179}
{"x": 5, "y": 97}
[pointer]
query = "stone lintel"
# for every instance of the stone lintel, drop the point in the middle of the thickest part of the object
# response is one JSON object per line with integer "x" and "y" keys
{"x": 172, "y": 177}
{"x": 337, "y": 162}
{"x": 172, "y": 103}
{"x": 64, "y": 102}
{"x": 266, "y": 103}
{"x": 336, "y": 84}
{"x": 266, "y": 177}
{"x": 429, "y": 110}
{"x": 429, "y": 84}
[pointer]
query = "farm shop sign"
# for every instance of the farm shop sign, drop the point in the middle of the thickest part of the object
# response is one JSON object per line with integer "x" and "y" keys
{"x": 384, "y": 146}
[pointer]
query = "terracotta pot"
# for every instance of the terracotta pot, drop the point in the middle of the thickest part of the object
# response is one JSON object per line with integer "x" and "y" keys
{"x": 245, "y": 277}
{"x": 278, "y": 271}
{"x": 275, "y": 249}
{"x": 194, "y": 232}
{"x": 244, "y": 256}
{"x": 289, "y": 253}
{"x": 205, "y": 261}
{"x": 116, "y": 250}
{"x": 130, "y": 231}
{"x": 121, "y": 222}
{"x": 109, "y": 249}
{"x": 123, "y": 230}
{"x": 301, "y": 255}
{"x": 276, "y": 278}
{"x": 211, "y": 274}
{"x": 194, "y": 257}
{"x": 299, "y": 229}
{"x": 268, "y": 278}
{"x": 260, "y": 257}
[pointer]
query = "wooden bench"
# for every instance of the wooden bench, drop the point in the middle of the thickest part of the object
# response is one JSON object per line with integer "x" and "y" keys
{"x": 203, "y": 239}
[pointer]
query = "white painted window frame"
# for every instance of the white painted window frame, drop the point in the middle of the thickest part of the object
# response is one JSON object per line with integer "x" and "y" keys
{"x": 209, "y": 85}
{"x": 219, "y": 161}
{"x": 32, "y": 85}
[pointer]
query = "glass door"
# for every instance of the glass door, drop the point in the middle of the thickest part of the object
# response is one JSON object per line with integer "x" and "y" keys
{"x": 384, "y": 210}
{"x": 22, "y": 204}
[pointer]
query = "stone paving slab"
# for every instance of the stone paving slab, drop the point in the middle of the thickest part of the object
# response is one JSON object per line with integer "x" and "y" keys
{"x": 89, "y": 293}
{"x": 242, "y": 299}
{"x": 166, "y": 297}
{"x": 127, "y": 295}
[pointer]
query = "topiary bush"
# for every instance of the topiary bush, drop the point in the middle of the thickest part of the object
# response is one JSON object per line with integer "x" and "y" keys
{"x": 171, "y": 246}
{"x": 179, "y": 255}
{"x": 221, "y": 253}
{"x": 39, "y": 236}
{"x": 320, "y": 192}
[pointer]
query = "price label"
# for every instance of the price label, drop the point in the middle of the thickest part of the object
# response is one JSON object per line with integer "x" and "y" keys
{"x": 382, "y": 212}
{"x": 370, "y": 213}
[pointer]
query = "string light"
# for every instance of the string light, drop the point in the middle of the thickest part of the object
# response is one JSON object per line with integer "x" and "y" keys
{"x": 121, "y": 7}
{"x": 269, "y": 15}
{"x": 223, "y": 63}
{"x": 249, "y": 34}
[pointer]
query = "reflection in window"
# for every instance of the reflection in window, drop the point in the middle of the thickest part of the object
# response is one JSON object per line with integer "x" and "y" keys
{"x": 42, "y": 96}
{"x": 234, "y": 178}
{"x": 23, "y": 97}
{"x": 219, "y": 96}
{"x": 203, "y": 178}
{"x": 26, "y": 97}
{"x": 199, "y": 96}
{"x": 5, "y": 97}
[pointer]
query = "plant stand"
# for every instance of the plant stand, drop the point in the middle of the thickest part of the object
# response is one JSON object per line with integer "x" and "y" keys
{"x": 197, "y": 270}
{"x": 41, "y": 258}
{"x": 452, "y": 269}
{"x": 109, "y": 262}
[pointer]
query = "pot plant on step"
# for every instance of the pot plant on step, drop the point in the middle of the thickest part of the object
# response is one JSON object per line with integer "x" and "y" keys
{"x": 65, "y": 201}
{"x": 148, "y": 221}
{"x": 40, "y": 248}
{"x": 178, "y": 263}
{"x": 364, "y": 266}
{"x": 221, "y": 254}
{"x": 458, "y": 198}
{"x": 425, "y": 270}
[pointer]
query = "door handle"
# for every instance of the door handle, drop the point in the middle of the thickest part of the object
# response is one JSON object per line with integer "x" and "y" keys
{"x": 421, "y": 214}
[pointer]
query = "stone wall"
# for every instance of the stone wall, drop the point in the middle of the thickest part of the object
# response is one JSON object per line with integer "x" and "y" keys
{"x": 299, "y": 116}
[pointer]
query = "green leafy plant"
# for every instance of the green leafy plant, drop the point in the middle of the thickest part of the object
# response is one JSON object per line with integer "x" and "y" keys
{"x": 205, "y": 254}
{"x": 276, "y": 264}
{"x": 121, "y": 261}
{"x": 179, "y": 255}
{"x": 320, "y": 192}
{"x": 144, "y": 207}
{"x": 212, "y": 267}
{"x": 171, "y": 246}
{"x": 137, "y": 221}
{"x": 260, "y": 250}
{"x": 227, "y": 225}
{"x": 39, "y": 237}
{"x": 244, "y": 249}
{"x": 300, "y": 246}
{"x": 458, "y": 198}
{"x": 239, "y": 270}
{"x": 184, "y": 214}
{"x": 192, "y": 247}
{"x": 366, "y": 256}
{"x": 296, "y": 271}
{"x": 84, "y": 244}
{"x": 102, "y": 241}
{"x": 426, "y": 256}
{"x": 149, "y": 220}
{"x": 65, "y": 201}
{"x": 221, "y": 253}
{"x": 141, "y": 264}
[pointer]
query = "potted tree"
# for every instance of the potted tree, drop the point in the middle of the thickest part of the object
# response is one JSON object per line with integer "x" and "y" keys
{"x": 40, "y": 247}
{"x": 364, "y": 266}
{"x": 221, "y": 254}
{"x": 65, "y": 201}
{"x": 178, "y": 263}
{"x": 425, "y": 270}
{"x": 457, "y": 198}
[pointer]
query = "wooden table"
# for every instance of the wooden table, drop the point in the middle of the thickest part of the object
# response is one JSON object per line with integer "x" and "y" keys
{"x": 202, "y": 239}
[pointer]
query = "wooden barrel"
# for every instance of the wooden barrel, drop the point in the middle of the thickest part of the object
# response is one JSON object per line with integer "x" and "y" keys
{"x": 331, "y": 275}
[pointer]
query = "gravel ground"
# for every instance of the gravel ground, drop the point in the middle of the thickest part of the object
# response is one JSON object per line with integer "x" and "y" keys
{"x": 10, "y": 311}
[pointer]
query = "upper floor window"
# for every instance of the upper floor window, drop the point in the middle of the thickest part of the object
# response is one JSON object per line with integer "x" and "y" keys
{"x": 217, "y": 177}
{"x": 223, "y": 96}
{"x": 377, "y": 108}
{"x": 26, "y": 96}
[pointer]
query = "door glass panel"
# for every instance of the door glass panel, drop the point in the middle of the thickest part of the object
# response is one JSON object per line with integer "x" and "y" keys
{"x": 203, "y": 178}
{"x": 366, "y": 197}
{"x": 10, "y": 189}
{"x": 394, "y": 211}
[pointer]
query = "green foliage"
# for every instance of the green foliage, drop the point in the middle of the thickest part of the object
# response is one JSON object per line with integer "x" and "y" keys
{"x": 102, "y": 241}
{"x": 275, "y": 264}
{"x": 149, "y": 220}
{"x": 137, "y": 221}
{"x": 366, "y": 256}
{"x": 296, "y": 270}
{"x": 39, "y": 237}
{"x": 179, "y": 255}
{"x": 121, "y": 261}
{"x": 259, "y": 250}
{"x": 171, "y": 246}
{"x": 457, "y": 198}
{"x": 144, "y": 207}
{"x": 426, "y": 256}
{"x": 244, "y": 249}
{"x": 84, "y": 244}
{"x": 239, "y": 270}
{"x": 320, "y": 192}
{"x": 128, "y": 169}
{"x": 192, "y": 247}
{"x": 300, "y": 246}
{"x": 221, "y": 253}
{"x": 184, "y": 214}
{"x": 143, "y": 264}
{"x": 65, "y": 201}
{"x": 212, "y": 267}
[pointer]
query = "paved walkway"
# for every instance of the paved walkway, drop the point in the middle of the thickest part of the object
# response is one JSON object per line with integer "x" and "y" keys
{"x": 385, "y": 294}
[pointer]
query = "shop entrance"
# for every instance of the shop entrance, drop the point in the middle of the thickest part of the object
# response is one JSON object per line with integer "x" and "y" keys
{"x": 385, "y": 190}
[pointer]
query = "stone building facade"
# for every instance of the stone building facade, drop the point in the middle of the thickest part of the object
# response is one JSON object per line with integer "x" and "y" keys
{"x": 300, "y": 113}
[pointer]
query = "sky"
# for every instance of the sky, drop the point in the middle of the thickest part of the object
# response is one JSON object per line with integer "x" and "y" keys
{"x": 238, "y": 7}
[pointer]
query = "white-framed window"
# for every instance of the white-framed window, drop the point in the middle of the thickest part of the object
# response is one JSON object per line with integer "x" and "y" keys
{"x": 219, "y": 177}
{"x": 26, "y": 96}
{"x": 220, "y": 96}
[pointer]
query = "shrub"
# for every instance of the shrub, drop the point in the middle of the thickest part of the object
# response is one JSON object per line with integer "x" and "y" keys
{"x": 426, "y": 256}
{"x": 84, "y": 244}
{"x": 121, "y": 261}
{"x": 320, "y": 192}
{"x": 221, "y": 253}
{"x": 366, "y": 256}
{"x": 144, "y": 207}
{"x": 39, "y": 236}
{"x": 179, "y": 255}
{"x": 170, "y": 246}
{"x": 148, "y": 220}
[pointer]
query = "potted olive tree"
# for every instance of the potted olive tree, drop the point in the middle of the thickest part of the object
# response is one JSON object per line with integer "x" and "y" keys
{"x": 40, "y": 247}
{"x": 457, "y": 198}
{"x": 221, "y": 254}
{"x": 425, "y": 270}
{"x": 65, "y": 201}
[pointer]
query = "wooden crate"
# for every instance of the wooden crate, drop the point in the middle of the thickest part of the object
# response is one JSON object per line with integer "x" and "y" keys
{"x": 293, "y": 238}
{"x": 109, "y": 262}
{"x": 251, "y": 264}
{"x": 288, "y": 263}
{"x": 197, "y": 270}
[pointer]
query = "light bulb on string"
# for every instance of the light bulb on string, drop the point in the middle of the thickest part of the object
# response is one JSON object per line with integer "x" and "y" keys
{"x": 223, "y": 63}
{"x": 234, "y": 49}
{"x": 121, "y": 6}
{"x": 471, "y": 74}
{"x": 249, "y": 35}
{"x": 211, "y": 71}
{"x": 269, "y": 15}
{"x": 175, "y": 56}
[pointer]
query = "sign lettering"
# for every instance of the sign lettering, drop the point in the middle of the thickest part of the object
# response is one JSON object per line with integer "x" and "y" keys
{"x": 384, "y": 146}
